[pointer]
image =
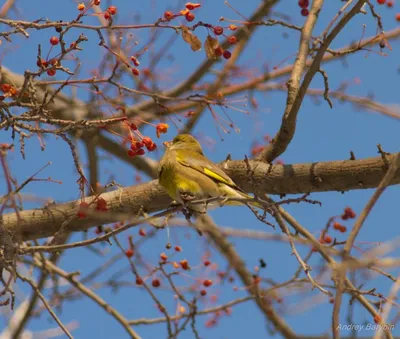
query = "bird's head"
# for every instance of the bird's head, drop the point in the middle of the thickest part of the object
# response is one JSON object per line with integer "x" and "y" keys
{"x": 184, "y": 141}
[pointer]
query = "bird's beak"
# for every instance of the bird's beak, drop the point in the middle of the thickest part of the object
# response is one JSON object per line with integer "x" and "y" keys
{"x": 167, "y": 143}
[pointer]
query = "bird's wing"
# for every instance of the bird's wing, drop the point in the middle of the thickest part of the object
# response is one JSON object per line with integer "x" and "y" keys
{"x": 205, "y": 166}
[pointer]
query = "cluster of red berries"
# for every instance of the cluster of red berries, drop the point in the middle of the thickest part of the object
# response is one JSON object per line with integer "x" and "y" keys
{"x": 325, "y": 238}
{"x": 303, "y": 4}
{"x": 339, "y": 227}
{"x": 189, "y": 16}
{"x": 219, "y": 30}
{"x": 164, "y": 257}
{"x": 389, "y": 4}
{"x": 101, "y": 205}
{"x": 348, "y": 214}
{"x": 111, "y": 10}
{"x": 136, "y": 62}
{"x": 54, "y": 41}
{"x": 139, "y": 142}
{"x": 137, "y": 146}
{"x": 8, "y": 90}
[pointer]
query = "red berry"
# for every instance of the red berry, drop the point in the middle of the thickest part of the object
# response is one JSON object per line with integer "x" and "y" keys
{"x": 348, "y": 211}
{"x": 337, "y": 226}
{"x": 207, "y": 263}
{"x": 381, "y": 2}
{"x": 221, "y": 274}
{"x": 54, "y": 40}
{"x": 132, "y": 153}
{"x": 101, "y": 204}
{"x": 184, "y": 264}
{"x": 227, "y": 55}
{"x": 203, "y": 292}
{"x": 156, "y": 283}
{"x": 83, "y": 206}
{"x": 5, "y": 88}
{"x": 303, "y": 3}
{"x": 135, "y": 71}
{"x": 207, "y": 283}
{"x": 232, "y": 40}
{"x": 305, "y": 12}
{"x": 218, "y": 30}
{"x": 327, "y": 239}
{"x": 389, "y": 4}
{"x": 377, "y": 319}
{"x": 112, "y": 10}
{"x": 398, "y": 17}
{"x": 147, "y": 141}
{"x": 152, "y": 147}
{"x": 168, "y": 15}
{"x": 51, "y": 72}
{"x": 218, "y": 51}
{"x": 190, "y": 6}
{"x": 135, "y": 61}
{"x": 41, "y": 63}
{"x": 136, "y": 145}
{"x": 163, "y": 256}
{"x": 139, "y": 281}
{"x": 129, "y": 253}
{"x": 161, "y": 128}
{"x": 142, "y": 232}
{"x": 107, "y": 15}
{"x": 178, "y": 248}
{"x": 189, "y": 16}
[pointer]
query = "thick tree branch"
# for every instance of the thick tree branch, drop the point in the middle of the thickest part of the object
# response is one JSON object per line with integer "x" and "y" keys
{"x": 253, "y": 176}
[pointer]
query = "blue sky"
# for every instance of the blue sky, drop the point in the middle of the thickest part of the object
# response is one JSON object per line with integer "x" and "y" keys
{"x": 322, "y": 134}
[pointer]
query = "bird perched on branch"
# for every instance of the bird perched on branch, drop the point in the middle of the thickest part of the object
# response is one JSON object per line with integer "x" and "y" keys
{"x": 188, "y": 176}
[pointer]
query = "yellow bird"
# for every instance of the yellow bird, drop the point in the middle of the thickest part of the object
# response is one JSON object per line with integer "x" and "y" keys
{"x": 187, "y": 175}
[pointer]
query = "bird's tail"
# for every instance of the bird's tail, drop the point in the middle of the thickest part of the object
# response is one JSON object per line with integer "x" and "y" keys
{"x": 237, "y": 196}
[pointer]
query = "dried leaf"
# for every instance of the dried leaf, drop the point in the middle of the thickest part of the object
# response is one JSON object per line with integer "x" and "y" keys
{"x": 191, "y": 39}
{"x": 210, "y": 45}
